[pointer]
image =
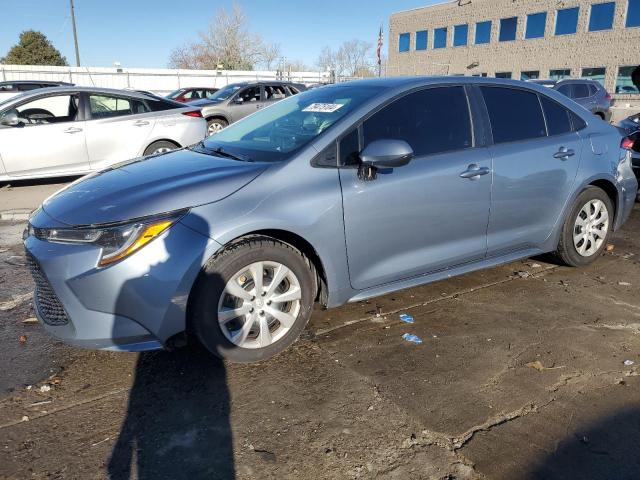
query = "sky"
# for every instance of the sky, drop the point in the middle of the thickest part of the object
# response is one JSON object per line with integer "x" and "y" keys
{"x": 142, "y": 33}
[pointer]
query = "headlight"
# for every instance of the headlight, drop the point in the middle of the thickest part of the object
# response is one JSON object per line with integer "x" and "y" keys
{"x": 117, "y": 241}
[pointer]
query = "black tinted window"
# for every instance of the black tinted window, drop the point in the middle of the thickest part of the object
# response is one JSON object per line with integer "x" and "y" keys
{"x": 514, "y": 114}
{"x": 430, "y": 121}
{"x": 565, "y": 90}
{"x": 592, "y": 90}
{"x": 557, "y": 116}
{"x": 349, "y": 149}
{"x": 159, "y": 105}
{"x": 25, "y": 87}
{"x": 580, "y": 90}
{"x": 577, "y": 122}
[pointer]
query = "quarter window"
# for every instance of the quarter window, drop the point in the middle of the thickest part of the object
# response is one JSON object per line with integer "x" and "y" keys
{"x": 460, "y": 35}
{"x": 510, "y": 124}
{"x": 440, "y": 38}
{"x": 633, "y": 13}
{"x": 558, "y": 120}
{"x": 536, "y": 23}
{"x": 404, "y": 42}
{"x": 421, "y": 40}
{"x": 567, "y": 21}
{"x": 483, "y": 32}
{"x": 431, "y": 121}
{"x": 602, "y": 16}
{"x": 508, "y": 28}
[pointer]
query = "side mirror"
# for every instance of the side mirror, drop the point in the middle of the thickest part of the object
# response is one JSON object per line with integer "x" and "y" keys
{"x": 10, "y": 119}
{"x": 387, "y": 153}
{"x": 239, "y": 100}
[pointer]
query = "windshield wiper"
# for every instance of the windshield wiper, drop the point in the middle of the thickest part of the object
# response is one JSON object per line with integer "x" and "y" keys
{"x": 223, "y": 153}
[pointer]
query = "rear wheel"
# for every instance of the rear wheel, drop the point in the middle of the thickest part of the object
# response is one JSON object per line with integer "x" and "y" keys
{"x": 586, "y": 229}
{"x": 215, "y": 125}
{"x": 161, "y": 146}
{"x": 253, "y": 299}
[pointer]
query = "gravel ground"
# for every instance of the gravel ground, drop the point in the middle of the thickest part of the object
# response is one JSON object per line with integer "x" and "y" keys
{"x": 521, "y": 374}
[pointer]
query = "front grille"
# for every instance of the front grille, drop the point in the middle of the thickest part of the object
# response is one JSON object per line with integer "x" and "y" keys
{"x": 47, "y": 303}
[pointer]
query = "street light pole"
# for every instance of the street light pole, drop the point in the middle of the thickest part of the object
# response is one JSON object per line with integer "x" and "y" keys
{"x": 75, "y": 34}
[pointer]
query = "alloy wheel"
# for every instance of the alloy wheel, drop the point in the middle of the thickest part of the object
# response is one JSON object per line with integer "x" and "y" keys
{"x": 214, "y": 127}
{"x": 591, "y": 227}
{"x": 259, "y": 304}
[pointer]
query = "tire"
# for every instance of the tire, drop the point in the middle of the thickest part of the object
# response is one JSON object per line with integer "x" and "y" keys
{"x": 583, "y": 249}
{"x": 215, "y": 125}
{"x": 236, "y": 267}
{"x": 161, "y": 146}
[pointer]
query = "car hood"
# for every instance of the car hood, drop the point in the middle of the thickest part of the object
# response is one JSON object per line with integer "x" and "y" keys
{"x": 203, "y": 102}
{"x": 150, "y": 185}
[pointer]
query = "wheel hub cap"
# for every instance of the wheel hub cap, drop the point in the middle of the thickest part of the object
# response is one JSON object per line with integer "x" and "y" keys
{"x": 591, "y": 227}
{"x": 259, "y": 304}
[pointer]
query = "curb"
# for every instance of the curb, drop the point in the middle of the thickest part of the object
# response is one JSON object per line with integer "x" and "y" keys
{"x": 14, "y": 215}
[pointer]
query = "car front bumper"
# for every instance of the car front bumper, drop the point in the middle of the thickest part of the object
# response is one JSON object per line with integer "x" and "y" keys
{"x": 134, "y": 305}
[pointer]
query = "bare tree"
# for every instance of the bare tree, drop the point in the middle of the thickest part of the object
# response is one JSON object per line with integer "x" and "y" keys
{"x": 326, "y": 59}
{"x": 353, "y": 58}
{"x": 295, "y": 66}
{"x": 270, "y": 55}
{"x": 226, "y": 42}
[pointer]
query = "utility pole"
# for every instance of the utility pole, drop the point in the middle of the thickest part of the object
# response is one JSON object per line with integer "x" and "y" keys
{"x": 75, "y": 33}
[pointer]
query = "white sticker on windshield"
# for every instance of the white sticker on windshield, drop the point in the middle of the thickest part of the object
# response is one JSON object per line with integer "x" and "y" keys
{"x": 323, "y": 107}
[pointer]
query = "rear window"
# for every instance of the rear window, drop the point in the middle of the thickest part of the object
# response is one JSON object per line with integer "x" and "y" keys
{"x": 159, "y": 105}
{"x": 510, "y": 124}
{"x": 558, "y": 119}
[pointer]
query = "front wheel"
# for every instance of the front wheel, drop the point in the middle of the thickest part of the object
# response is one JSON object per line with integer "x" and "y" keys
{"x": 253, "y": 299}
{"x": 216, "y": 125}
{"x": 586, "y": 229}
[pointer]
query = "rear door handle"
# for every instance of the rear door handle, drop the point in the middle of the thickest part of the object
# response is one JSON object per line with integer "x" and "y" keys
{"x": 564, "y": 153}
{"x": 474, "y": 171}
{"x": 141, "y": 123}
{"x": 72, "y": 130}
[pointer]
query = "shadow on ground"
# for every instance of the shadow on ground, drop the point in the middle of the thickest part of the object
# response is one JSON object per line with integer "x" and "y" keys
{"x": 177, "y": 422}
{"x": 610, "y": 449}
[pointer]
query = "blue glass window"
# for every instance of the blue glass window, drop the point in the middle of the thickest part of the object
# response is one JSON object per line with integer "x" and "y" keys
{"x": 460, "y": 35}
{"x": 559, "y": 74}
{"x": 404, "y": 42}
{"x": 597, "y": 74}
{"x": 567, "y": 21}
{"x": 440, "y": 38}
{"x": 503, "y": 74}
{"x": 421, "y": 40}
{"x": 483, "y": 32}
{"x": 530, "y": 75}
{"x": 602, "y": 16}
{"x": 536, "y": 23}
{"x": 633, "y": 13}
{"x": 508, "y": 28}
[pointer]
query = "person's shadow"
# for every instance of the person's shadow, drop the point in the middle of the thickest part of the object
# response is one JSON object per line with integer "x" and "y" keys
{"x": 177, "y": 421}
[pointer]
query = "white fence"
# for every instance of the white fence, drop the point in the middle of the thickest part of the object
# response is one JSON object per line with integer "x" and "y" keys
{"x": 157, "y": 80}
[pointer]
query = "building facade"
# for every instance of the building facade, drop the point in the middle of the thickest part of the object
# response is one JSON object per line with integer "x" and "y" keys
{"x": 521, "y": 39}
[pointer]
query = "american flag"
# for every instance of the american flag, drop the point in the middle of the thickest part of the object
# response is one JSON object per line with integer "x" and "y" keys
{"x": 379, "y": 49}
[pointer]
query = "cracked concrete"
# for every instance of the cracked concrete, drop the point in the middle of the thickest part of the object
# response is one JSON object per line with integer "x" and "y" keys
{"x": 354, "y": 400}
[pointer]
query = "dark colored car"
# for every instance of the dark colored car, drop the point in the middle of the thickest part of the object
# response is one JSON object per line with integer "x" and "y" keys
{"x": 12, "y": 88}
{"x": 237, "y": 100}
{"x": 630, "y": 127}
{"x": 184, "y": 95}
{"x": 588, "y": 93}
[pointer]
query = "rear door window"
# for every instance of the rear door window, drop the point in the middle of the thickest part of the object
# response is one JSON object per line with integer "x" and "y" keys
{"x": 558, "y": 118}
{"x": 581, "y": 90}
{"x": 274, "y": 92}
{"x": 107, "y": 106}
{"x": 431, "y": 121}
{"x": 250, "y": 94}
{"x": 565, "y": 90}
{"x": 510, "y": 123}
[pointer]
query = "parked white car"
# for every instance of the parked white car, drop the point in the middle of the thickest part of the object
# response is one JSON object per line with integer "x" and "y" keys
{"x": 75, "y": 130}
{"x": 12, "y": 88}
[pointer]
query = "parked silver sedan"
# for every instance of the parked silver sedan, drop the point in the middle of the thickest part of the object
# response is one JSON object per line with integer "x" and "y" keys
{"x": 75, "y": 130}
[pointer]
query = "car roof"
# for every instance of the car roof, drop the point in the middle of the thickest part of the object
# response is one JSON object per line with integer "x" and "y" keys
{"x": 22, "y": 82}
{"x": 71, "y": 88}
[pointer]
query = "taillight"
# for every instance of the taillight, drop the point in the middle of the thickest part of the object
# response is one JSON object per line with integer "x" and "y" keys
{"x": 607, "y": 97}
{"x": 627, "y": 143}
{"x": 193, "y": 113}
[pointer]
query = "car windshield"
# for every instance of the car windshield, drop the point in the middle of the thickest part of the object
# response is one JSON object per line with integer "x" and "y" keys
{"x": 274, "y": 133}
{"x": 225, "y": 92}
{"x": 175, "y": 93}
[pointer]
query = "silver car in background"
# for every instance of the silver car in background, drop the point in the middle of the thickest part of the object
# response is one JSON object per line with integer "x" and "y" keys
{"x": 588, "y": 93}
{"x": 75, "y": 130}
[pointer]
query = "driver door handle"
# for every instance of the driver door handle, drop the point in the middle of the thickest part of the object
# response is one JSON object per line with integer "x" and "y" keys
{"x": 72, "y": 130}
{"x": 564, "y": 153}
{"x": 474, "y": 171}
